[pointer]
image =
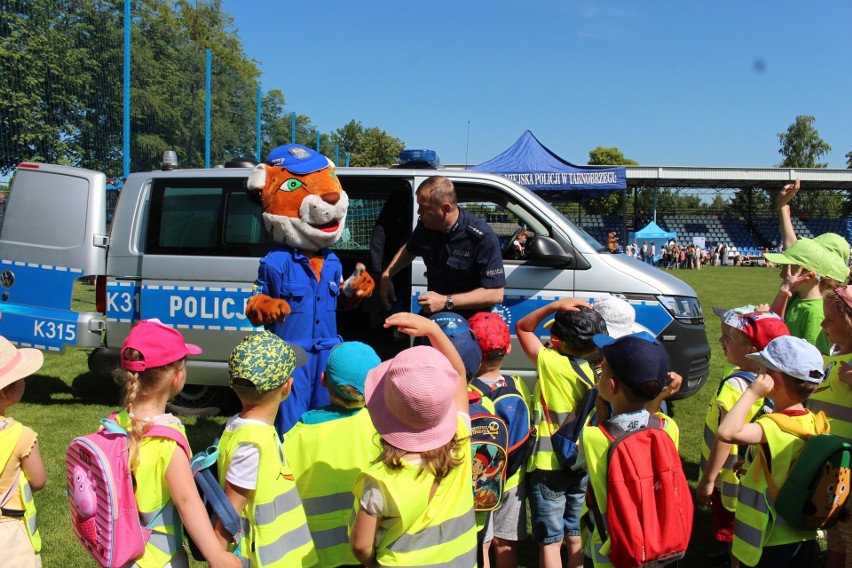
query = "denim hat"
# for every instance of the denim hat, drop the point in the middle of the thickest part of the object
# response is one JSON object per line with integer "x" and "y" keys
{"x": 492, "y": 334}
{"x": 348, "y": 364}
{"x": 297, "y": 159}
{"x": 812, "y": 256}
{"x": 265, "y": 360}
{"x": 581, "y": 325}
{"x": 636, "y": 360}
{"x": 458, "y": 330}
{"x": 158, "y": 343}
{"x": 759, "y": 327}
{"x": 792, "y": 356}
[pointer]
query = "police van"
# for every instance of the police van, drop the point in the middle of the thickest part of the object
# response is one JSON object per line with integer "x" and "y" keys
{"x": 183, "y": 246}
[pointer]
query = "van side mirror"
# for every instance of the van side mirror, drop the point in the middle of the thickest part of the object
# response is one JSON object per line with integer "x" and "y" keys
{"x": 544, "y": 251}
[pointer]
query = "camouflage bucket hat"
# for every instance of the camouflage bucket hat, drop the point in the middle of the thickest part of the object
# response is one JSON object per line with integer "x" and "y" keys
{"x": 265, "y": 360}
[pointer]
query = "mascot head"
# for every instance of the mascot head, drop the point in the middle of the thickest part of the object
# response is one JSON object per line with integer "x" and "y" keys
{"x": 304, "y": 205}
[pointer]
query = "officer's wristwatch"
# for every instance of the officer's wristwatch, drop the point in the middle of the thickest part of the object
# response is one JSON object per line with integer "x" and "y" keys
{"x": 450, "y": 304}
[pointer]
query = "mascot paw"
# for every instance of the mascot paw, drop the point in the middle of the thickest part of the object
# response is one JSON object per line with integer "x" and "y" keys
{"x": 360, "y": 284}
{"x": 263, "y": 310}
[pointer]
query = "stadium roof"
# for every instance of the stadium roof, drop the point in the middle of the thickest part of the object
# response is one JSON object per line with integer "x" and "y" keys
{"x": 735, "y": 178}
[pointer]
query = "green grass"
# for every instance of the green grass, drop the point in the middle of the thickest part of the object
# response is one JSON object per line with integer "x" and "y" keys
{"x": 63, "y": 401}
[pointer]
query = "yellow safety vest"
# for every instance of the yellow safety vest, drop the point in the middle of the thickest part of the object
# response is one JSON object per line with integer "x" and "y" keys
{"x": 276, "y": 529}
{"x": 436, "y": 532}
{"x": 595, "y": 446}
{"x": 325, "y": 459}
{"x": 727, "y": 395}
{"x": 834, "y": 398}
{"x": 557, "y": 391}
{"x": 757, "y": 523}
{"x": 154, "y": 498}
{"x": 9, "y": 437}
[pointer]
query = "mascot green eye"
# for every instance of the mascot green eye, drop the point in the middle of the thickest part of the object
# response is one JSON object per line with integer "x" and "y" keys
{"x": 291, "y": 184}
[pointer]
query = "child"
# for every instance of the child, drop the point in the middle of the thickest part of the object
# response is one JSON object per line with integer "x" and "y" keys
{"x": 414, "y": 504}
{"x": 743, "y": 333}
{"x": 509, "y": 522}
{"x": 556, "y": 495}
{"x": 329, "y": 447}
{"x": 252, "y": 468}
{"x": 807, "y": 269}
{"x": 834, "y": 396}
{"x": 23, "y": 468}
{"x": 634, "y": 372}
{"x": 790, "y": 371}
{"x": 153, "y": 358}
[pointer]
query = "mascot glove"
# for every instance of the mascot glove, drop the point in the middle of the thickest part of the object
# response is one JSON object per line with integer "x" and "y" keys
{"x": 360, "y": 284}
{"x": 264, "y": 310}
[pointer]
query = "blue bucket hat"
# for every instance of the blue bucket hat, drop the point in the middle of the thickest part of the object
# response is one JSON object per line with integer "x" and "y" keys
{"x": 348, "y": 365}
{"x": 297, "y": 159}
{"x": 458, "y": 330}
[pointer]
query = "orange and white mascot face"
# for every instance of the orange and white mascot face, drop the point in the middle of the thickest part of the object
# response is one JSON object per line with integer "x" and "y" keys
{"x": 305, "y": 211}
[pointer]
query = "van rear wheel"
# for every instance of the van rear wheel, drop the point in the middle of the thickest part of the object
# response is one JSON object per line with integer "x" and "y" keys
{"x": 202, "y": 400}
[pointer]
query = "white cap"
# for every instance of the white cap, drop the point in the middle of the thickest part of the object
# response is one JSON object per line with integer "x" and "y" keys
{"x": 618, "y": 314}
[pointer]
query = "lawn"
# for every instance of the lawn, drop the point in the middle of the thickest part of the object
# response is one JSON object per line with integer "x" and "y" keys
{"x": 63, "y": 401}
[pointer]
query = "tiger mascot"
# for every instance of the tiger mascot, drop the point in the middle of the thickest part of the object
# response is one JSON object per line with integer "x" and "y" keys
{"x": 300, "y": 284}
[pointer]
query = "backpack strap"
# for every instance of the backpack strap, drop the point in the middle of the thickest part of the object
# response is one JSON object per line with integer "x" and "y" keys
{"x": 200, "y": 465}
{"x": 747, "y": 376}
{"x": 155, "y": 431}
{"x": 479, "y": 385}
{"x": 791, "y": 426}
{"x": 581, "y": 373}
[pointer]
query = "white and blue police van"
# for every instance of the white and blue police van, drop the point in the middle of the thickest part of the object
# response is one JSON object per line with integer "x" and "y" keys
{"x": 183, "y": 246}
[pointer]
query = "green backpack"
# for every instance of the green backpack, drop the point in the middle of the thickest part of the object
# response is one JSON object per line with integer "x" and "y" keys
{"x": 816, "y": 490}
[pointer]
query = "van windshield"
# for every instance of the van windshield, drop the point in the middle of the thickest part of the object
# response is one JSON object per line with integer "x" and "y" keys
{"x": 592, "y": 242}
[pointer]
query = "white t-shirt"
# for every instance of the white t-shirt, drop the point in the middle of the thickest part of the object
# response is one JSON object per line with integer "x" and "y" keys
{"x": 242, "y": 471}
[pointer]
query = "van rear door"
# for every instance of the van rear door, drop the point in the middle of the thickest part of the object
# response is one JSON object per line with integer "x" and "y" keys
{"x": 53, "y": 234}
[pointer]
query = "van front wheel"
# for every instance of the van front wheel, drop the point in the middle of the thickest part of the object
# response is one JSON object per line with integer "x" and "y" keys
{"x": 202, "y": 400}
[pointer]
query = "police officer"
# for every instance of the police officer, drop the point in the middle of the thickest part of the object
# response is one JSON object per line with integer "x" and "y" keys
{"x": 464, "y": 265}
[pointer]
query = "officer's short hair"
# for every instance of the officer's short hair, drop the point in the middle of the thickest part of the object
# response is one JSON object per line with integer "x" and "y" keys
{"x": 441, "y": 190}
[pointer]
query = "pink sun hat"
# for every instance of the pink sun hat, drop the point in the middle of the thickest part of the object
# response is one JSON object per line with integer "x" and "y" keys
{"x": 411, "y": 397}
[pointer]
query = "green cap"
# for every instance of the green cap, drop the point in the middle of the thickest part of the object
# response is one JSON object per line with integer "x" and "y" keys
{"x": 811, "y": 256}
{"x": 265, "y": 360}
{"x": 834, "y": 243}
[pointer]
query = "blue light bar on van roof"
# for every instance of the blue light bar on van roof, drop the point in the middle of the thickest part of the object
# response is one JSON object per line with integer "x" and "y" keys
{"x": 429, "y": 157}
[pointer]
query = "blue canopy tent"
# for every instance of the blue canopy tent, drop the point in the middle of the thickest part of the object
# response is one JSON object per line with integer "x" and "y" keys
{"x": 529, "y": 163}
{"x": 652, "y": 233}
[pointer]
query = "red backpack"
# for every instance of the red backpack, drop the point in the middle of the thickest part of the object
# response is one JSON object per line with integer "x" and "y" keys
{"x": 649, "y": 506}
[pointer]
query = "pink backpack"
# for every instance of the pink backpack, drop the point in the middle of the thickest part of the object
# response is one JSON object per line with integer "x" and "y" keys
{"x": 104, "y": 514}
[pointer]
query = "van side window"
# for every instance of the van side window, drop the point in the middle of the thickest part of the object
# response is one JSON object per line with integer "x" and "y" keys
{"x": 204, "y": 217}
{"x": 513, "y": 222}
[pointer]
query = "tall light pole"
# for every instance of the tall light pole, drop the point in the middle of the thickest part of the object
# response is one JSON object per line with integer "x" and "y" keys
{"x": 467, "y": 145}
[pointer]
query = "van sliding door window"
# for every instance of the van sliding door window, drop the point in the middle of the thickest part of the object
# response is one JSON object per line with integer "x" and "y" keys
{"x": 204, "y": 217}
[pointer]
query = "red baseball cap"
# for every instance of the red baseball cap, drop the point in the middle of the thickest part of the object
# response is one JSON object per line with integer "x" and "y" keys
{"x": 158, "y": 344}
{"x": 759, "y": 327}
{"x": 492, "y": 334}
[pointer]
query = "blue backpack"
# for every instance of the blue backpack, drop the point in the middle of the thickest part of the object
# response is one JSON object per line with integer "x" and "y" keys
{"x": 511, "y": 407}
{"x": 203, "y": 465}
{"x": 566, "y": 438}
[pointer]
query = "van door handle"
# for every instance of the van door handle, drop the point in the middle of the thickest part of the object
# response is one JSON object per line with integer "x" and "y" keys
{"x": 101, "y": 241}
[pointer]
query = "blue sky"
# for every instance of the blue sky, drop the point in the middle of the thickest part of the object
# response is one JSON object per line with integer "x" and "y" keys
{"x": 667, "y": 82}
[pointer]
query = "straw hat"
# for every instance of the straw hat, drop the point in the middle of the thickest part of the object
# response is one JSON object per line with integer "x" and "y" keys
{"x": 15, "y": 364}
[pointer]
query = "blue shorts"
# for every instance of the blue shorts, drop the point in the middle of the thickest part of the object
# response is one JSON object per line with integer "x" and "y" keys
{"x": 556, "y": 501}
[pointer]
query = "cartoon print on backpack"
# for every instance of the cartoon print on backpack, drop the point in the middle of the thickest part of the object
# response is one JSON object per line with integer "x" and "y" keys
{"x": 829, "y": 496}
{"x": 488, "y": 467}
{"x": 83, "y": 495}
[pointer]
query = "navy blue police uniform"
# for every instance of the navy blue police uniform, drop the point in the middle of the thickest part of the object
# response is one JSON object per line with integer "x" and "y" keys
{"x": 466, "y": 257}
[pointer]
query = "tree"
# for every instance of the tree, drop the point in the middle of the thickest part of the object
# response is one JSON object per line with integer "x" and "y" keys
{"x": 611, "y": 204}
{"x": 801, "y": 145}
{"x": 849, "y": 160}
{"x": 366, "y": 146}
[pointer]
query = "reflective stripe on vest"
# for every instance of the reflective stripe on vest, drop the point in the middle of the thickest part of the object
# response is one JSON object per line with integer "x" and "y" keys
{"x": 346, "y": 445}
{"x": 30, "y": 514}
{"x": 757, "y": 525}
{"x": 163, "y": 524}
{"x": 436, "y": 531}
{"x": 278, "y": 532}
